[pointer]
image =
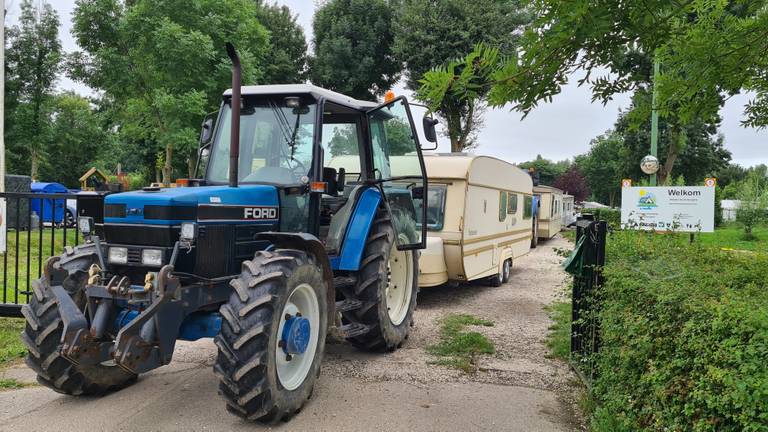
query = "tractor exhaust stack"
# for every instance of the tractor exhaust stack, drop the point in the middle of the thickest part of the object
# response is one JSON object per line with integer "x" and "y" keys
{"x": 234, "y": 144}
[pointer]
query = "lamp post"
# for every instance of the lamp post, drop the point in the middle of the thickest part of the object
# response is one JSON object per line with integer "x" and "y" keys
{"x": 655, "y": 116}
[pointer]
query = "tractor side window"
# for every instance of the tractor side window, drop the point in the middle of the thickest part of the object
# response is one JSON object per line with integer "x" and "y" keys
{"x": 341, "y": 147}
{"x": 396, "y": 163}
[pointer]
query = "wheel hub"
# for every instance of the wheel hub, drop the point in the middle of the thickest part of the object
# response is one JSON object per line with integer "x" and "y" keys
{"x": 296, "y": 335}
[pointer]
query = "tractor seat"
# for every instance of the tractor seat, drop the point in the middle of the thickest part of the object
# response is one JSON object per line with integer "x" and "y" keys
{"x": 340, "y": 219}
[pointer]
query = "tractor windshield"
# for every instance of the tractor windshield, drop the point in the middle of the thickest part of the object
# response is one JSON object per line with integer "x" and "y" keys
{"x": 275, "y": 141}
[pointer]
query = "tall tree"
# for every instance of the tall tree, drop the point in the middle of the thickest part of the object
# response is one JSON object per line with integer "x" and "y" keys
{"x": 574, "y": 183}
{"x": 353, "y": 48}
{"x": 548, "y": 170}
{"x": 603, "y": 167}
{"x": 165, "y": 65}
{"x": 695, "y": 150}
{"x": 77, "y": 139}
{"x": 33, "y": 62}
{"x": 433, "y": 39}
{"x": 286, "y": 60}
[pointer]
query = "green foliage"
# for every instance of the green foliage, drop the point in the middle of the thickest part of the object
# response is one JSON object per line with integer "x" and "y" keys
{"x": 76, "y": 140}
{"x": 163, "y": 66}
{"x": 616, "y": 155}
{"x": 611, "y": 216}
{"x": 458, "y": 348}
{"x": 753, "y": 209}
{"x": 559, "y": 336}
{"x": 11, "y": 347}
{"x": 433, "y": 40}
{"x": 695, "y": 150}
{"x": 32, "y": 62}
{"x": 430, "y": 34}
{"x": 708, "y": 49}
{"x": 456, "y": 92}
{"x": 287, "y": 56}
{"x": 548, "y": 170}
{"x": 353, "y": 48}
{"x": 684, "y": 333}
{"x": 603, "y": 166}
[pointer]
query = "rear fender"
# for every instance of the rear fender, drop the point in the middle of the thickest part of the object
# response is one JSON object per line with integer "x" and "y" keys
{"x": 311, "y": 245}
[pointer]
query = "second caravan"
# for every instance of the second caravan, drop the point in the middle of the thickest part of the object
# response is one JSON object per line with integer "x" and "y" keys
{"x": 479, "y": 219}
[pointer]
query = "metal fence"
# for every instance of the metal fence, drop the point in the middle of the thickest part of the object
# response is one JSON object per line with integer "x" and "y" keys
{"x": 38, "y": 226}
{"x": 587, "y": 280}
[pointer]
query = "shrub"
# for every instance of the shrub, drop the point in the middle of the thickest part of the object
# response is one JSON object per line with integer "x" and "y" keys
{"x": 684, "y": 337}
{"x": 611, "y": 216}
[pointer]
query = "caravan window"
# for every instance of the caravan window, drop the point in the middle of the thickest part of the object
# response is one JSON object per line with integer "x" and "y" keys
{"x": 511, "y": 203}
{"x": 502, "y": 206}
{"x": 435, "y": 207}
{"x": 528, "y": 207}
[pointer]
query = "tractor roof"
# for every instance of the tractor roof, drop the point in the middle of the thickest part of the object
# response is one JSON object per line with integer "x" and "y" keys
{"x": 294, "y": 89}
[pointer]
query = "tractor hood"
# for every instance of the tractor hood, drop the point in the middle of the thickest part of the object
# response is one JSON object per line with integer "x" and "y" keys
{"x": 172, "y": 206}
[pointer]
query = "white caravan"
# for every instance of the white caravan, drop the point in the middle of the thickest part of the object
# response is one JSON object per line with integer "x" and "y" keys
{"x": 550, "y": 210}
{"x": 479, "y": 219}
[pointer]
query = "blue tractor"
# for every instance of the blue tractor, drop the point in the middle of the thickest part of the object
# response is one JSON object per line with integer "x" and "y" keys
{"x": 303, "y": 222}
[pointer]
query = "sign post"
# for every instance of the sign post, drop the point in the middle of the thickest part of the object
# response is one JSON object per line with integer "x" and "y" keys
{"x": 3, "y": 218}
{"x": 674, "y": 208}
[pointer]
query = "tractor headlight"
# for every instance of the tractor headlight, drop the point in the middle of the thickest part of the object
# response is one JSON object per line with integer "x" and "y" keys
{"x": 85, "y": 224}
{"x": 152, "y": 257}
{"x": 118, "y": 255}
{"x": 188, "y": 231}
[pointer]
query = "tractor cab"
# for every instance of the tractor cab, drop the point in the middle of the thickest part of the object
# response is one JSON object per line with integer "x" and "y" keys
{"x": 293, "y": 136}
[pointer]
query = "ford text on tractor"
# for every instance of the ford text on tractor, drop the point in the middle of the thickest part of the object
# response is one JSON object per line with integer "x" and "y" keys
{"x": 266, "y": 253}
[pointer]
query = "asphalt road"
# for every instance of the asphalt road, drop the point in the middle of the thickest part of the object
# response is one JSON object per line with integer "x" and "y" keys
{"x": 517, "y": 389}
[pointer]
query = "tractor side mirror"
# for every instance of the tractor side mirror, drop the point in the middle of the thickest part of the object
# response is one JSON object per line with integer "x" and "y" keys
{"x": 206, "y": 134}
{"x": 430, "y": 133}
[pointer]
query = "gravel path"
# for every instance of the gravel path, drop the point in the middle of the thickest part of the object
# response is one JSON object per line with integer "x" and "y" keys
{"x": 517, "y": 389}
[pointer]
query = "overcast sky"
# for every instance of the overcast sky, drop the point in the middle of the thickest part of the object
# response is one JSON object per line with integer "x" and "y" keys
{"x": 558, "y": 130}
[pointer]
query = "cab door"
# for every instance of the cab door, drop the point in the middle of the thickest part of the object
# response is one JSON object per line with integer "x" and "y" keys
{"x": 397, "y": 166}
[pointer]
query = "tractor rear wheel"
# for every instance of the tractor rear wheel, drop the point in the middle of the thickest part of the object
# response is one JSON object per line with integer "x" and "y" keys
{"x": 42, "y": 334}
{"x": 386, "y": 288}
{"x": 272, "y": 336}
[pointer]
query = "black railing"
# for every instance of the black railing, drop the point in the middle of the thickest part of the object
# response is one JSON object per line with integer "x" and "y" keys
{"x": 587, "y": 281}
{"x": 38, "y": 226}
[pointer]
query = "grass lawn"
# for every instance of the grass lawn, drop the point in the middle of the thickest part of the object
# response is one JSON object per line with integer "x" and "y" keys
{"x": 559, "y": 337}
{"x": 26, "y": 248}
{"x": 732, "y": 236}
{"x": 11, "y": 347}
{"x": 459, "y": 348}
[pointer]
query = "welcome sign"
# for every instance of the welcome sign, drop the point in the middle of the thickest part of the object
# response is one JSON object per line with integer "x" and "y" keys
{"x": 678, "y": 208}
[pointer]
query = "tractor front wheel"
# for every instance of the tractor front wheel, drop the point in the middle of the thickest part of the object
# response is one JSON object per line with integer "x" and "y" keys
{"x": 386, "y": 288}
{"x": 42, "y": 334}
{"x": 272, "y": 336}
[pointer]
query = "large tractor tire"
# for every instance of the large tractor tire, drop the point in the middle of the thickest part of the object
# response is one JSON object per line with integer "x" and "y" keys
{"x": 272, "y": 336}
{"x": 42, "y": 334}
{"x": 386, "y": 288}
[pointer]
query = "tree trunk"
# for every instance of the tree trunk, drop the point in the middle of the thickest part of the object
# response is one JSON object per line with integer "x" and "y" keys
{"x": 191, "y": 165}
{"x": 34, "y": 162}
{"x": 167, "y": 168}
{"x": 676, "y": 142}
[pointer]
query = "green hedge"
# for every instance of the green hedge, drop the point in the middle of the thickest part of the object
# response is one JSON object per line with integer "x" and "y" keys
{"x": 684, "y": 337}
{"x": 613, "y": 217}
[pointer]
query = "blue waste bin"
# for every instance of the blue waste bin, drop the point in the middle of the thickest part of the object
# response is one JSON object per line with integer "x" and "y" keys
{"x": 53, "y": 210}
